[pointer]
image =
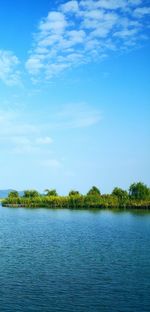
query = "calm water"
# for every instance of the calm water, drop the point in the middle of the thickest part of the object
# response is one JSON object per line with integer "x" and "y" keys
{"x": 74, "y": 261}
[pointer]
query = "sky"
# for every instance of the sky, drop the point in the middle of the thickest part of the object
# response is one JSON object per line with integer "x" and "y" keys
{"x": 74, "y": 94}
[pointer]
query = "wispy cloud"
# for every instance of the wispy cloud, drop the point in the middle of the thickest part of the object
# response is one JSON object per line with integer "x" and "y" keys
{"x": 44, "y": 140}
{"x": 12, "y": 125}
{"x": 16, "y": 129}
{"x": 9, "y": 72}
{"x": 30, "y": 144}
{"x": 141, "y": 11}
{"x": 82, "y": 31}
{"x": 22, "y": 137}
{"x": 74, "y": 116}
{"x": 51, "y": 163}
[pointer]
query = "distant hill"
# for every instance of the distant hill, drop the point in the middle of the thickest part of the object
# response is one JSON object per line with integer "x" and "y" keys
{"x": 4, "y": 193}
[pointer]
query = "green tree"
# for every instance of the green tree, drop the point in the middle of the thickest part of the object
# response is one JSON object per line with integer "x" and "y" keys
{"x": 121, "y": 194}
{"x": 13, "y": 194}
{"x": 139, "y": 191}
{"x": 31, "y": 193}
{"x": 51, "y": 192}
{"x": 73, "y": 193}
{"x": 94, "y": 191}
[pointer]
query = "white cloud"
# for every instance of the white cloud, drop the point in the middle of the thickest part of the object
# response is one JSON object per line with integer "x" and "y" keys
{"x": 135, "y": 2}
{"x": 25, "y": 149}
{"x": 51, "y": 163}
{"x": 34, "y": 65}
{"x": 22, "y": 144}
{"x": 20, "y": 140}
{"x": 70, "y": 7}
{"x": 44, "y": 140}
{"x": 140, "y": 12}
{"x": 9, "y": 72}
{"x": 11, "y": 125}
{"x": 55, "y": 22}
{"x": 76, "y": 115}
{"x": 79, "y": 31}
{"x": 105, "y": 4}
{"x": 126, "y": 33}
{"x": 24, "y": 137}
{"x": 23, "y": 140}
{"x": 21, "y": 136}
{"x": 29, "y": 145}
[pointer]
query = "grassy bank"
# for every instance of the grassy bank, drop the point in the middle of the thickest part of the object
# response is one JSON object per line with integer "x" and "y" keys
{"x": 138, "y": 197}
{"x": 77, "y": 202}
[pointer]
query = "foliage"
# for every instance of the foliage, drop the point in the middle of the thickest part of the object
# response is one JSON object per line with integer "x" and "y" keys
{"x": 30, "y": 193}
{"x": 73, "y": 193}
{"x": 51, "y": 192}
{"x": 13, "y": 194}
{"x": 138, "y": 197}
{"x": 139, "y": 191}
{"x": 122, "y": 195}
{"x": 94, "y": 191}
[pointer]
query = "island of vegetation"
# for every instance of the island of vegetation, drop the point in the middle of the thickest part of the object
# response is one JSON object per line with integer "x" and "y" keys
{"x": 138, "y": 197}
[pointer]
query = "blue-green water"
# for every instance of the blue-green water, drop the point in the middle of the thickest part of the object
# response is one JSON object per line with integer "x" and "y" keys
{"x": 74, "y": 261}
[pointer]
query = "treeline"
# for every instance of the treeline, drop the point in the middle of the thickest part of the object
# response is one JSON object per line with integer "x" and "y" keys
{"x": 138, "y": 196}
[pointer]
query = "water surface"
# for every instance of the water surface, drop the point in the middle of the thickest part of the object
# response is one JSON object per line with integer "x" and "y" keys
{"x": 74, "y": 261}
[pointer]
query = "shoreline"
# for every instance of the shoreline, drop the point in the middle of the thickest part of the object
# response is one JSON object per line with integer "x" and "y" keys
{"x": 37, "y": 205}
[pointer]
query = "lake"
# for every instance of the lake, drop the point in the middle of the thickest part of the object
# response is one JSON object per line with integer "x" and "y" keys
{"x": 74, "y": 261}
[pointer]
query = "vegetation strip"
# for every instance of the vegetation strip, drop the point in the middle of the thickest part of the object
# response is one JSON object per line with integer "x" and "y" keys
{"x": 138, "y": 197}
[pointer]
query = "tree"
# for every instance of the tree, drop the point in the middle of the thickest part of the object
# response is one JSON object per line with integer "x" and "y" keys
{"x": 13, "y": 194}
{"x": 73, "y": 193}
{"x": 30, "y": 193}
{"x": 94, "y": 191}
{"x": 139, "y": 191}
{"x": 119, "y": 193}
{"x": 51, "y": 192}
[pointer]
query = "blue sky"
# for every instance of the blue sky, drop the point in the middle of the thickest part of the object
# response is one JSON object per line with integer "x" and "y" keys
{"x": 74, "y": 94}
